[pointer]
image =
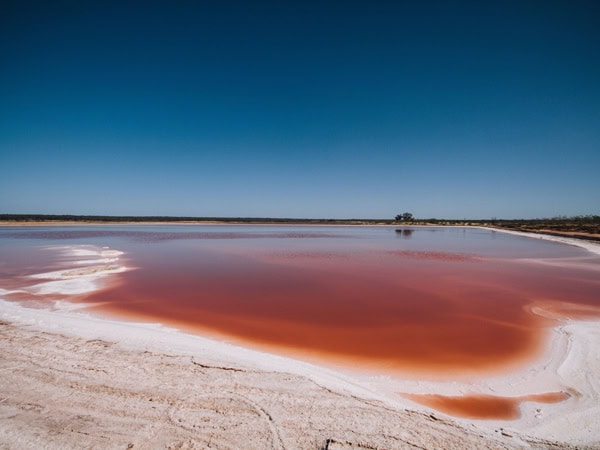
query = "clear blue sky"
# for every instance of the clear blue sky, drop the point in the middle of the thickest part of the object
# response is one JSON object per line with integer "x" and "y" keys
{"x": 313, "y": 109}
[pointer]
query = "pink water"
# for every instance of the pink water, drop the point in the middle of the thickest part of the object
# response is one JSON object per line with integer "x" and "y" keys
{"x": 433, "y": 302}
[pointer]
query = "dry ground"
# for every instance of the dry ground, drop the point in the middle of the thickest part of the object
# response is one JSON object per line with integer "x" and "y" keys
{"x": 61, "y": 392}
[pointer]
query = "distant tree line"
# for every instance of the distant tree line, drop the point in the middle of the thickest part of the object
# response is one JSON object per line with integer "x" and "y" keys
{"x": 583, "y": 223}
{"x": 582, "y": 219}
{"x": 405, "y": 217}
{"x": 174, "y": 219}
{"x": 583, "y": 226}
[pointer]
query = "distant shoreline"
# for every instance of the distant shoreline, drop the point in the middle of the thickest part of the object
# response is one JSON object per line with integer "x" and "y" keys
{"x": 544, "y": 228}
{"x": 190, "y": 223}
{"x": 199, "y": 221}
{"x": 590, "y": 244}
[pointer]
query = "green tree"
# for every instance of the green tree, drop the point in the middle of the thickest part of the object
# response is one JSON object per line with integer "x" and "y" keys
{"x": 405, "y": 217}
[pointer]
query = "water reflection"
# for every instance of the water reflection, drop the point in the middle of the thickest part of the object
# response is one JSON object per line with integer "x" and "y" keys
{"x": 404, "y": 232}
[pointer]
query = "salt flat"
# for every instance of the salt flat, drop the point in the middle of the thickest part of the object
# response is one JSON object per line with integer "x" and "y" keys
{"x": 63, "y": 387}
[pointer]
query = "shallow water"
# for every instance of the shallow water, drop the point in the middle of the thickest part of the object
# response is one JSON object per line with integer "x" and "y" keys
{"x": 484, "y": 406}
{"x": 425, "y": 302}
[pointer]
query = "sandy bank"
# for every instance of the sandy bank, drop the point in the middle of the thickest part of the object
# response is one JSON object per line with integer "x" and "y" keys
{"x": 74, "y": 381}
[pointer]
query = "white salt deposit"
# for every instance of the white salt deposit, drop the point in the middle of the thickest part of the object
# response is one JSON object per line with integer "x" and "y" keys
{"x": 591, "y": 247}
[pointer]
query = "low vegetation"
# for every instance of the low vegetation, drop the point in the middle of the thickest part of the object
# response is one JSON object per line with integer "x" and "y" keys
{"x": 25, "y": 218}
{"x": 587, "y": 227}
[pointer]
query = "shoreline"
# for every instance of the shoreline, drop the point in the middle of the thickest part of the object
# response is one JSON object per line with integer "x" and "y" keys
{"x": 584, "y": 240}
{"x": 562, "y": 236}
{"x": 560, "y": 367}
{"x": 138, "y": 340}
{"x": 589, "y": 245}
{"x": 162, "y": 389}
{"x": 349, "y": 223}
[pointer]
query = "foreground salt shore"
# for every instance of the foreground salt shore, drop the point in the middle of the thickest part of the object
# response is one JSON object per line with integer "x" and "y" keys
{"x": 72, "y": 380}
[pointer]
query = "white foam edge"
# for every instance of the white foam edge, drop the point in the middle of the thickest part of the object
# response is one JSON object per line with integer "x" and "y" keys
{"x": 71, "y": 285}
{"x": 86, "y": 250}
{"x": 96, "y": 261}
{"x": 90, "y": 251}
{"x": 63, "y": 274}
{"x": 591, "y": 247}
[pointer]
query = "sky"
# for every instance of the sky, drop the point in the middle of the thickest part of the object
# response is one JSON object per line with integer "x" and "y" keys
{"x": 300, "y": 109}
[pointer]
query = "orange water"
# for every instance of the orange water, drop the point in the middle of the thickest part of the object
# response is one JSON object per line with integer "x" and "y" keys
{"x": 434, "y": 303}
{"x": 484, "y": 406}
{"x": 416, "y": 312}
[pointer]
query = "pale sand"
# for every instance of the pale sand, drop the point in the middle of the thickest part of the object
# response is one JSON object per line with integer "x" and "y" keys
{"x": 75, "y": 381}
{"x": 71, "y": 380}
